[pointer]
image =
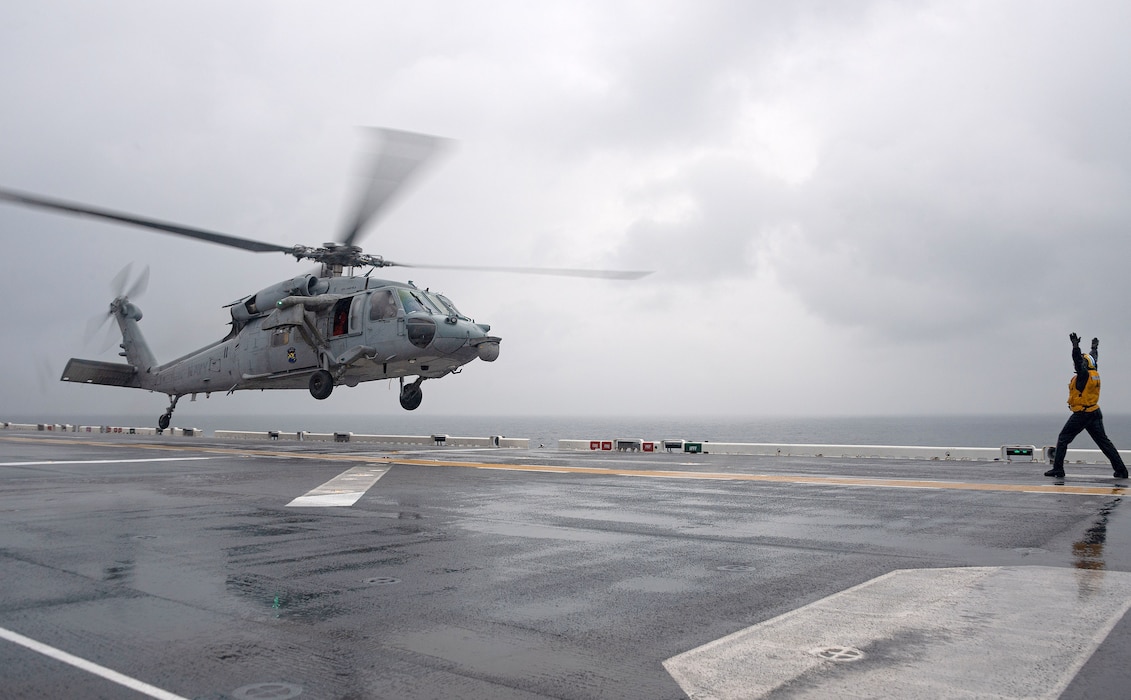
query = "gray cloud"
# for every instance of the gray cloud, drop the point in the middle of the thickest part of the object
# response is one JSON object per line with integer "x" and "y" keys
{"x": 934, "y": 177}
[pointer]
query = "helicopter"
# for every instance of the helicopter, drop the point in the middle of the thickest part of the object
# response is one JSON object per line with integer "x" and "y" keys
{"x": 317, "y": 330}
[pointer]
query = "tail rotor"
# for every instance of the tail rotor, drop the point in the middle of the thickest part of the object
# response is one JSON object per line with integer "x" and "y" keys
{"x": 123, "y": 289}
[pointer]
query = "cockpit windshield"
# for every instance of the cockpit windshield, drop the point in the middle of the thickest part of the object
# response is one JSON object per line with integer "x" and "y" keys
{"x": 421, "y": 301}
{"x": 447, "y": 303}
{"x": 415, "y": 300}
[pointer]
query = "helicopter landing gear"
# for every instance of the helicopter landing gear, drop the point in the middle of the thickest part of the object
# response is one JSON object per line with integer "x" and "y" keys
{"x": 411, "y": 395}
{"x": 321, "y": 384}
{"x": 167, "y": 417}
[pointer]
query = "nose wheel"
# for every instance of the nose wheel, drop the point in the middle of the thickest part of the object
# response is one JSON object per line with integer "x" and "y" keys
{"x": 411, "y": 394}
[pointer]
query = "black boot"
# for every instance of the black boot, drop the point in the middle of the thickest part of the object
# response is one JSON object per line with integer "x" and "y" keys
{"x": 1121, "y": 473}
{"x": 1055, "y": 472}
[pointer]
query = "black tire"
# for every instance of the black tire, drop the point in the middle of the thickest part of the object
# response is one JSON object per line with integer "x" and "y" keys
{"x": 321, "y": 384}
{"x": 163, "y": 421}
{"x": 411, "y": 397}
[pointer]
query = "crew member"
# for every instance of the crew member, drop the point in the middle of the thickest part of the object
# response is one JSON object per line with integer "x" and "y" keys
{"x": 1084, "y": 400}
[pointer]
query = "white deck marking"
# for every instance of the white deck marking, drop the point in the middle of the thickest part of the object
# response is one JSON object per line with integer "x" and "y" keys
{"x": 1001, "y": 632}
{"x": 101, "y": 461}
{"x": 88, "y": 666}
{"x": 343, "y": 490}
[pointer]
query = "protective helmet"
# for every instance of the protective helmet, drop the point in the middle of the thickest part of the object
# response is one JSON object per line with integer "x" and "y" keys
{"x": 1089, "y": 361}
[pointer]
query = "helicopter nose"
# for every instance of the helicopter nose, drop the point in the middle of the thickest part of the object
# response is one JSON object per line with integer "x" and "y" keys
{"x": 466, "y": 339}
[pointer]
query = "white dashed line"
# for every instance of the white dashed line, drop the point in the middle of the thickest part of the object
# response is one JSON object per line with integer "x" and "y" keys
{"x": 102, "y": 461}
{"x": 343, "y": 490}
{"x": 88, "y": 666}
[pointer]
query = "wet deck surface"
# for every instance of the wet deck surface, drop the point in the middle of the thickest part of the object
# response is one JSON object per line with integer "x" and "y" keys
{"x": 188, "y": 566}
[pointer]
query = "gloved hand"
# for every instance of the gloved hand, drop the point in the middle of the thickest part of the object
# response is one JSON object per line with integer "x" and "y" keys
{"x": 1075, "y": 340}
{"x": 1095, "y": 345}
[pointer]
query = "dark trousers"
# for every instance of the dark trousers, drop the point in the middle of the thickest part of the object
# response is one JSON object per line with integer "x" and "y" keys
{"x": 1094, "y": 423}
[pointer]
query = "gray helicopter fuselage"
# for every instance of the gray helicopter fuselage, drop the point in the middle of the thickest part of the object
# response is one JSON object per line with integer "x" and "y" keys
{"x": 358, "y": 328}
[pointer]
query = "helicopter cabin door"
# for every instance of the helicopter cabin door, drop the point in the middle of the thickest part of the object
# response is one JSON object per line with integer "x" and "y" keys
{"x": 384, "y": 319}
{"x": 345, "y": 319}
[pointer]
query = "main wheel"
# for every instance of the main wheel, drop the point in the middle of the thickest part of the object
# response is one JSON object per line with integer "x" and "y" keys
{"x": 321, "y": 384}
{"x": 164, "y": 420}
{"x": 411, "y": 396}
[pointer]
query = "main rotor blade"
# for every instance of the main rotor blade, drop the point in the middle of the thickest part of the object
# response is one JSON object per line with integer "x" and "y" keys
{"x": 402, "y": 154}
{"x": 85, "y": 210}
{"x": 550, "y": 271}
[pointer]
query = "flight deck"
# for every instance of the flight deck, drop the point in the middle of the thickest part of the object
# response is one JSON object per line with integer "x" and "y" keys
{"x": 179, "y": 566}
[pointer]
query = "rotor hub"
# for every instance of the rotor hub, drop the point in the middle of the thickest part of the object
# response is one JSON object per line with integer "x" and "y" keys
{"x": 336, "y": 256}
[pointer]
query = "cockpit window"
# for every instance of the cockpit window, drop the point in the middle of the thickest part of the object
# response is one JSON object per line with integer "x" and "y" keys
{"x": 415, "y": 300}
{"x": 382, "y": 306}
{"x": 445, "y": 302}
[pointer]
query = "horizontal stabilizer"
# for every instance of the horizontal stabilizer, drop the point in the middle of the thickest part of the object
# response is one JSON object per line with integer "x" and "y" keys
{"x": 95, "y": 372}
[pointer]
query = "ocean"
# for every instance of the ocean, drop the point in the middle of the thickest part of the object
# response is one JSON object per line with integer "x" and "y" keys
{"x": 937, "y": 431}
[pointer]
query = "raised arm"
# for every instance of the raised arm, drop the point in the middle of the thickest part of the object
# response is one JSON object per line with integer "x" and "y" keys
{"x": 1078, "y": 362}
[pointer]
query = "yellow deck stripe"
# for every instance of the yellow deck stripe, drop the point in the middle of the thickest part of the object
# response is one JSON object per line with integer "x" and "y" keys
{"x": 1048, "y": 488}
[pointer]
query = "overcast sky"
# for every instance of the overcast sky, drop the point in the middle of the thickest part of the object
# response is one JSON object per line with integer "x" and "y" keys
{"x": 850, "y": 207}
